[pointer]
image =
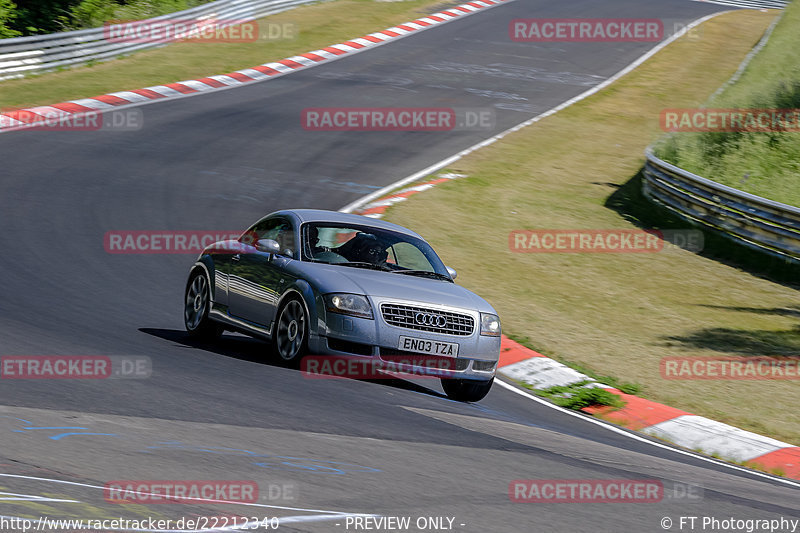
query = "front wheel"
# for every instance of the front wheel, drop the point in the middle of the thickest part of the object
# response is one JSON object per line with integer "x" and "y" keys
{"x": 466, "y": 390}
{"x": 196, "y": 306}
{"x": 291, "y": 332}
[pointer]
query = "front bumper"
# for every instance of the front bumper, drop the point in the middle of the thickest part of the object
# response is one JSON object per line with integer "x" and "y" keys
{"x": 378, "y": 341}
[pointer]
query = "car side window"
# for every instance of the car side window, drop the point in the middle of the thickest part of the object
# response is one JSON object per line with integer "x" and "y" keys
{"x": 278, "y": 229}
{"x": 285, "y": 237}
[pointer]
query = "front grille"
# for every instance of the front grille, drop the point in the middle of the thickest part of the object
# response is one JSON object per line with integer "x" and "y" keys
{"x": 406, "y": 316}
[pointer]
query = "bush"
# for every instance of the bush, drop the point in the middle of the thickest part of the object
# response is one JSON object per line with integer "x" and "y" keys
{"x": 50, "y": 16}
{"x": 95, "y": 13}
{"x": 762, "y": 163}
{"x": 7, "y": 15}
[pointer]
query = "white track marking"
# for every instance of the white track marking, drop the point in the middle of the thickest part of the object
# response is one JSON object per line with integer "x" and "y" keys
{"x": 306, "y": 62}
{"x": 343, "y": 47}
{"x": 543, "y": 373}
{"x": 747, "y": 4}
{"x": 130, "y": 96}
{"x": 256, "y": 75}
{"x": 198, "y": 500}
{"x": 163, "y": 91}
{"x": 639, "y": 438}
{"x": 227, "y": 80}
{"x": 8, "y": 122}
{"x": 323, "y": 53}
{"x": 197, "y": 85}
{"x": 349, "y": 208}
{"x": 280, "y": 67}
{"x": 91, "y": 103}
{"x": 700, "y": 433}
{"x": 14, "y": 497}
{"x": 49, "y": 112}
{"x": 325, "y": 515}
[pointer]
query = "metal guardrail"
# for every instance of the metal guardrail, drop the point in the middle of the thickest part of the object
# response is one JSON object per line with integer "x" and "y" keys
{"x": 21, "y": 56}
{"x": 752, "y": 220}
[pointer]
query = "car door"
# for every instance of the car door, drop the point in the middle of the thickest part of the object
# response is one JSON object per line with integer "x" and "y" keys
{"x": 255, "y": 280}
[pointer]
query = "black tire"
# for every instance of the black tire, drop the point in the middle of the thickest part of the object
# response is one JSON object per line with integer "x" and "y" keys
{"x": 197, "y": 303}
{"x": 466, "y": 390}
{"x": 290, "y": 340}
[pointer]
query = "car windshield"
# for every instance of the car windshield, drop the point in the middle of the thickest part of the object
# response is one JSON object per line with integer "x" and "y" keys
{"x": 370, "y": 247}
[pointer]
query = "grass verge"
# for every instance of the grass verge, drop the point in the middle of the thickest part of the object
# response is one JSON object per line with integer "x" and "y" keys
{"x": 578, "y": 395}
{"x": 315, "y": 26}
{"x": 611, "y": 381}
{"x": 618, "y": 313}
{"x": 762, "y": 163}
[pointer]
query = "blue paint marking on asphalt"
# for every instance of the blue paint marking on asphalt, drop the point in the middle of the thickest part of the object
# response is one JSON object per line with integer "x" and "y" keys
{"x": 59, "y": 437}
{"x": 279, "y": 462}
{"x": 15, "y": 418}
{"x": 56, "y": 427}
{"x": 62, "y": 435}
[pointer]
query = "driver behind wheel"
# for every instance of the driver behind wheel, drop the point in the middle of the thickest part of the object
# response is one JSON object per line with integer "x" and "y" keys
{"x": 370, "y": 250}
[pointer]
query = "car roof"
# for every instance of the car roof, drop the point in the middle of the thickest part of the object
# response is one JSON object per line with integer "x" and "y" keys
{"x": 321, "y": 215}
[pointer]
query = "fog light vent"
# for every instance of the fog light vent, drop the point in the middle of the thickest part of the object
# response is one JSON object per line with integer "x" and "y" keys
{"x": 483, "y": 366}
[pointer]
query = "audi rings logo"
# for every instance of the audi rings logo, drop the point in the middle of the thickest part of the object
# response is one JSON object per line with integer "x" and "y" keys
{"x": 429, "y": 319}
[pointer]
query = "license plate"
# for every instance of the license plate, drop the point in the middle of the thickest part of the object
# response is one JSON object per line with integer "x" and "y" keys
{"x": 412, "y": 344}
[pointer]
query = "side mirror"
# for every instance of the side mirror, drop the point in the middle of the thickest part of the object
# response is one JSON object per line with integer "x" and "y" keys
{"x": 268, "y": 246}
{"x": 452, "y": 272}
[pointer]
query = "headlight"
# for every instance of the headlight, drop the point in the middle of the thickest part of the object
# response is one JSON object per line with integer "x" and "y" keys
{"x": 490, "y": 324}
{"x": 348, "y": 304}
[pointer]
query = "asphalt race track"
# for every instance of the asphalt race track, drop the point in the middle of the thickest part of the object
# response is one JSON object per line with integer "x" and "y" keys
{"x": 219, "y": 161}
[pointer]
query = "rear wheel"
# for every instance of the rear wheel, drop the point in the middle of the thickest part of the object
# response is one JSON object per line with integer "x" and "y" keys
{"x": 290, "y": 340}
{"x": 196, "y": 306}
{"x": 466, "y": 390}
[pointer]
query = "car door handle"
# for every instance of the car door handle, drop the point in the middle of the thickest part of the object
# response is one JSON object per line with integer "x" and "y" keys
{"x": 236, "y": 257}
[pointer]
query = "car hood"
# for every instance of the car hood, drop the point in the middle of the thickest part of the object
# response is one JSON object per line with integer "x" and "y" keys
{"x": 330, "y": 278}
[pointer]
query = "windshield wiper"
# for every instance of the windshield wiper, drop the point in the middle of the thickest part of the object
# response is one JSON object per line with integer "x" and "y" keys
{"x": 426, "y": 273}
{"x": 364, "y": 264}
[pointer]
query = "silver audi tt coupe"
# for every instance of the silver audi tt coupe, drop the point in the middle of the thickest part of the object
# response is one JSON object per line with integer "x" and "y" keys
{"x": 323, "y": 283}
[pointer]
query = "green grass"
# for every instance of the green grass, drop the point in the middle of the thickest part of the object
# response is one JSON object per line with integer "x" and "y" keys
{"x": 577, "y": 396}
{"x": 762, "y": 163}
{"x": 611, "y": 381}
{"x": 618, "y": 314}
{"x": 317, "y": 26}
